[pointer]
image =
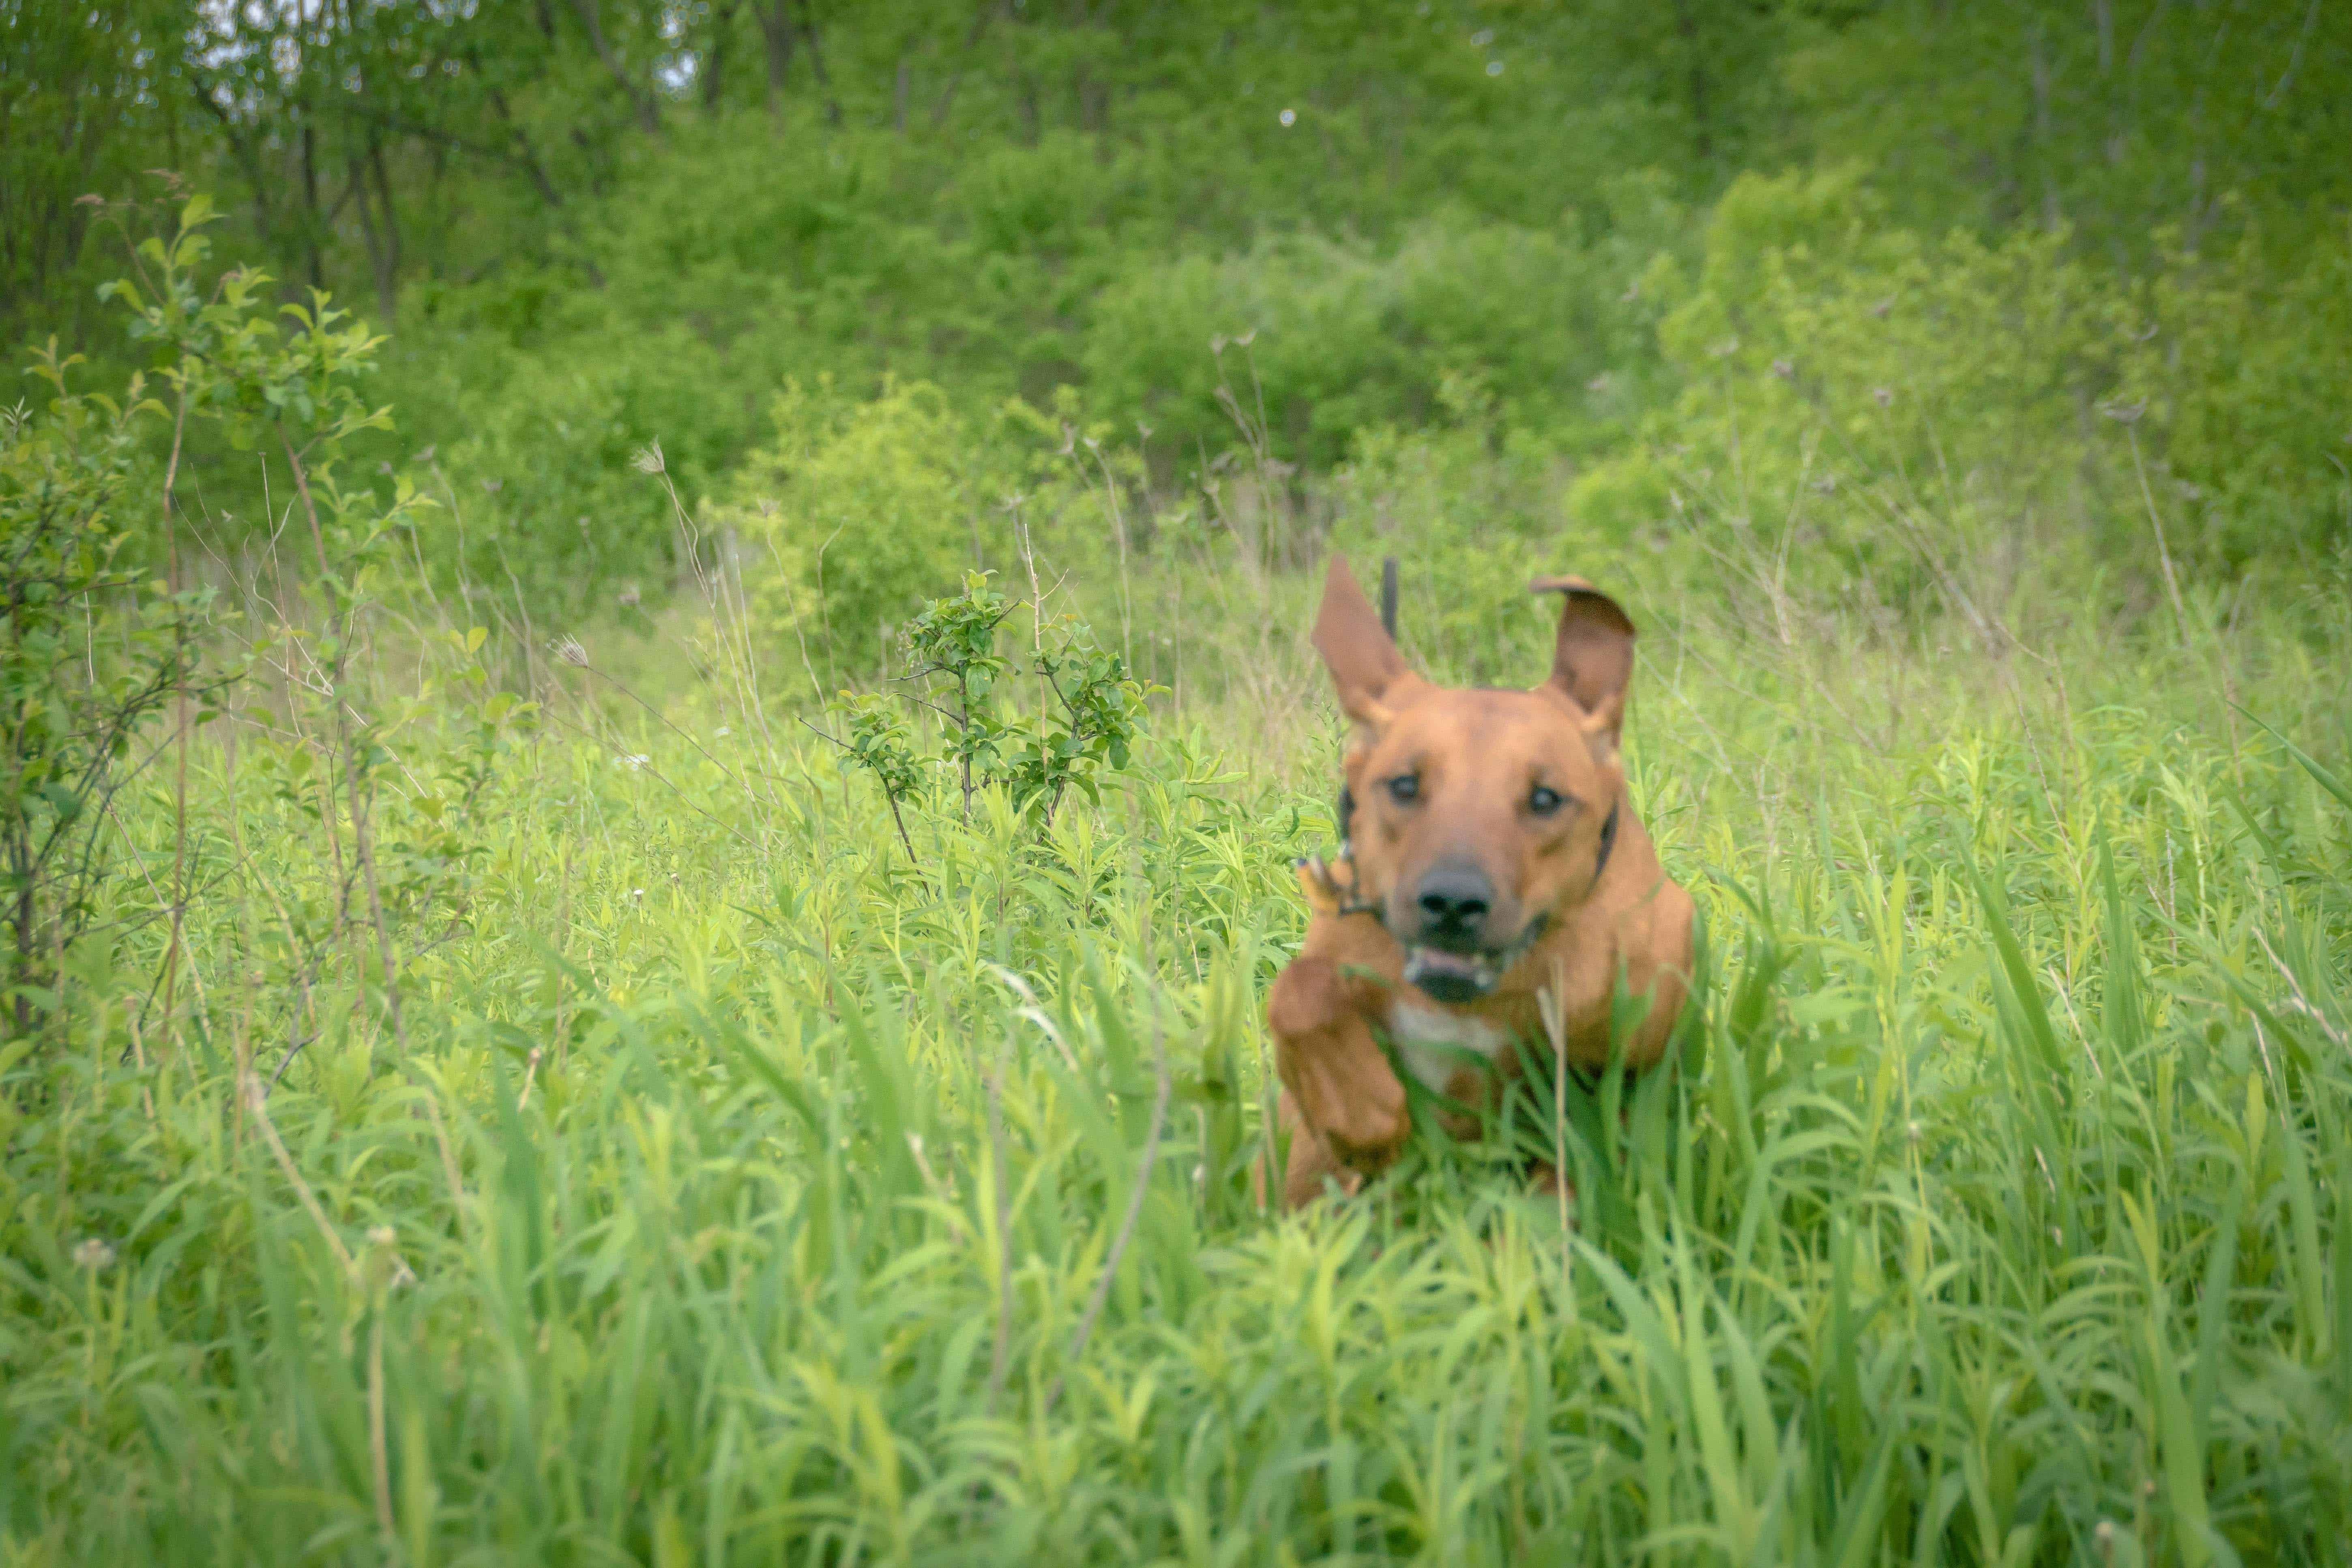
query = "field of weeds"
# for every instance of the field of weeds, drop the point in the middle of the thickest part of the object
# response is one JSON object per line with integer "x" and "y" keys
{"x": 729, "y": 1186}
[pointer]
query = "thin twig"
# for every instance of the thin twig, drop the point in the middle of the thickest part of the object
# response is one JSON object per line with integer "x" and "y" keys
{"x": 1552, "y": 1004}
{"x": 2163, "y": 553}
{"x": 664, "y": 719}
{"x": 887, "y": 794}
{"x": 257, "y": 1101}
{"x": 378, "y": 1453}
{"x": 164, "y": 980}
{"x": 179, "y": 717}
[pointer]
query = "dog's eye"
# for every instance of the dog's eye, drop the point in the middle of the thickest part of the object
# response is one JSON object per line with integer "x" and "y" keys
{"x": 1404, "y": 789}
{"x": 1544, "y": 802}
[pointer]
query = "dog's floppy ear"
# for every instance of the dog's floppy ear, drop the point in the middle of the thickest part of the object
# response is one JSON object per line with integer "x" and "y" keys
{"x": 1365, "y": 666}
{"x": 1592, "y": 656}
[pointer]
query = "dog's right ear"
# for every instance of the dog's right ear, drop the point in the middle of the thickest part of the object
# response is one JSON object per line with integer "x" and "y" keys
{"x": 1366, "y": 668}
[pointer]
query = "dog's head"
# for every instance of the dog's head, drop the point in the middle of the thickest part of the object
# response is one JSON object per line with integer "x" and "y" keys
{"x": 1476, "y": 817}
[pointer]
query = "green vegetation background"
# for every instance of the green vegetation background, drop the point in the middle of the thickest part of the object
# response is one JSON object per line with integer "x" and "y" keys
{"x": 676, "y": 1158}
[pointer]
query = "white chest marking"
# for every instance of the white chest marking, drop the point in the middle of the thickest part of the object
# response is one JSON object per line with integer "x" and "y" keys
{"x": 1430, "y": 1042}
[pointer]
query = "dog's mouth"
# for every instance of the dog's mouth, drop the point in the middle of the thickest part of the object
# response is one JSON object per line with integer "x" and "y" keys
{"x": 1452, "y": 976}
{"x": 1448, "y": 976}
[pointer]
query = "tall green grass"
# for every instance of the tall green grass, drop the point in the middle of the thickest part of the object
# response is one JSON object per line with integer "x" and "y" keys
{"x": 748, "y": 1194}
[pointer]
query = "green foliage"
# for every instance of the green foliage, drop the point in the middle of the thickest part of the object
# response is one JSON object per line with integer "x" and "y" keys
{"x": 1096, "y": 717}
{"x": 1330, "y": 339}
{"x": 1101, "y": 714}
{"x": 431, "y": 867}
{"x": 2119, "y": 121}
{"x": 865, "y": 508}
{"x": 1470, "y": 511}
{"x": 287, "y": 377}
{"x": 85, "y": 117}
{"x": 1990, "y": 1211}
{"x": 1826, "y": 422}
{"x": 608, "y": 224}
{"x": 879, "y": 743}
{"x": 2242, "y": 371}
{"x": 956, "y": 637}
{"x": 75, "y": 714}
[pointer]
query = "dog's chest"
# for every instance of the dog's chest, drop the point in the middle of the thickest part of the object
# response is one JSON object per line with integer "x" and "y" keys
{"x": 1432, "y": 1041}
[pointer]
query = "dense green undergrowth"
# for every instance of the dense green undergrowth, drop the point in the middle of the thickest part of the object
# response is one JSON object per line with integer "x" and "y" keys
{"x": 745, "y": 1191}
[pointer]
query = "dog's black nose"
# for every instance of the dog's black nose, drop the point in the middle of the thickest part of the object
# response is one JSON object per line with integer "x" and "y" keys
{"x": 1453, "y": 900}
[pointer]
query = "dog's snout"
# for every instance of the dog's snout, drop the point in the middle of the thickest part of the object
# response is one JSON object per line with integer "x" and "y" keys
{"x": 1453, "y": 900}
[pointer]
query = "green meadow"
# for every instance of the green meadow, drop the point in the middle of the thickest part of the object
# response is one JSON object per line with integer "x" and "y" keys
{"x": 657, "y": 710}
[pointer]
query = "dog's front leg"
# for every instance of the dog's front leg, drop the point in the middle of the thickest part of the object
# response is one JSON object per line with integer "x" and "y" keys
{"x": 1341, "y": 1101}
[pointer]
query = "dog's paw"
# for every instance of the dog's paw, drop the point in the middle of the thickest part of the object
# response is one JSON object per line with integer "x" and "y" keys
{"x": 1350, "y": 1096}
{"x": 1325, "y": 1052}
{"x": 1365, "y": 1115}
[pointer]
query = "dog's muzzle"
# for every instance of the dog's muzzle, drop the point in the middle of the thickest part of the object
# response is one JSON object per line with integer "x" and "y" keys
{"x": 1452, "y": 976}
{"x": 1447, "y": 963}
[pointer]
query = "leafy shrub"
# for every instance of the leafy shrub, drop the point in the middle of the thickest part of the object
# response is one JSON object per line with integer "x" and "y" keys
{"x": 1048, "y": 197}
{"x": 74, "y": 706}
{"x": 865, "y": 508}
{"x": 2245, "y": 373}
{"x": 2108, "y": 120}
{"x": 1339, "y": 336}
{"x": 1861, "y": 402}
{"x": 1094, "y": 717}
{"x": 536, "y": 482}
{"x": 1879, "y": 408}
{"x": 92, "y": 649}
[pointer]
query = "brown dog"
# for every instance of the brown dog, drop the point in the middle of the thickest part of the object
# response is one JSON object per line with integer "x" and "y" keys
{"x": 1489, "y": 855}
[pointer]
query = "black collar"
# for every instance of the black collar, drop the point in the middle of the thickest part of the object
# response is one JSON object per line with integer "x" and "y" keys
{"x": 1607, "y": 840}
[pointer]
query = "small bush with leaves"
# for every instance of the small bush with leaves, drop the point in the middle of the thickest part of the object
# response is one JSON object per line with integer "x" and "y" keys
{"x": 1101, "y": 710}
{"x": 74, "y": 705}
{"x": 1101, "y": 716}
{"x": 878, "y": 743}
{"x": 956, "y": 637}
{"x": 861, "y": 506}
{"x": 286, "y": 378}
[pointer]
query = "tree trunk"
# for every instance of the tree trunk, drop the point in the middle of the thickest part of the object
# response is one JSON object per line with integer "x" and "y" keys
{"x": 816, "y": 62}
{"x": 311, "y": 223}
{"x": 527, "y": 153}
{"x": 379, "y": 260}
{"x": 722, "y": 24}
{"x": 388, "y": 278}
{"x": 955, "y": 78}
{"x": 245, "y": 147}
{"x": 1030, "y": 118}
{"x": 776, "y": 31}
{"x": 1686, "y": 25}
{"x": 641, "y": 99}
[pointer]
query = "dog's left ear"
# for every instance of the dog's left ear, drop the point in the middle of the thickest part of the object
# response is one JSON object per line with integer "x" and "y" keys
{"x": 1592, "y": 655}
